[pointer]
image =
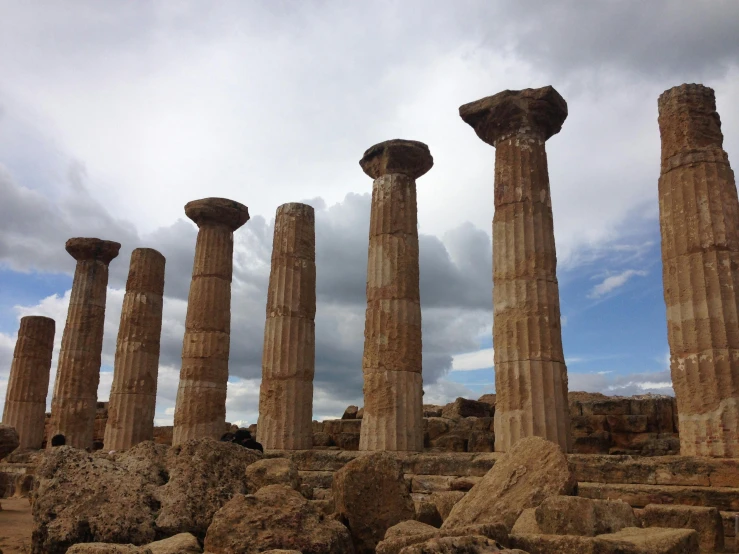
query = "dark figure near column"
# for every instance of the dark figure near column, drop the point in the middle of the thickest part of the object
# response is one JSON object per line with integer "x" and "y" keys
{"x": 58, "y": 440}
{"x": 242, "y": 437}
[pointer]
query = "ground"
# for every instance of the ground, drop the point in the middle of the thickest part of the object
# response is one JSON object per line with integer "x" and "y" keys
{"x": 16, "y": 523}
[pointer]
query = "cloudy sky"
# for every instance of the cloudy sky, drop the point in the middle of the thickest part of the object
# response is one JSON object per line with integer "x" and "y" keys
{"x": 113, "y": 115}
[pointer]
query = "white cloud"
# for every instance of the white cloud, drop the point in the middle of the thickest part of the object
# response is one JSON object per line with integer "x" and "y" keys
{"x": 469, "y": 361}
{"x": 612, "y": 282}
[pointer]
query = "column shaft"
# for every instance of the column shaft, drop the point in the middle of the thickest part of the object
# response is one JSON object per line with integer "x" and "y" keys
{"x": 392, "y": 362}
{"x": 288, "y": 359}
{"x": 28, "y": 385}
{"x": 133, "y": 394}
{"x": 530, "y": 372}
{"x": 78, "y": 373}
{"x": 699, "y": 223}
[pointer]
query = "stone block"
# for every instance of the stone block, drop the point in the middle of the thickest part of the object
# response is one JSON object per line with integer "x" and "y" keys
{"x": 707, "y": 523}
{"x": 463, "y": 407}
{"x": 571, "y": 515}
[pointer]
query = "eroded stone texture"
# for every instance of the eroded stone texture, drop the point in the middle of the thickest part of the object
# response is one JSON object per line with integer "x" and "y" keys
{"x": 393, "y": 407}
{"x": 530, "y": 371}
{"x": 699, "y": 222}
{"x": 288, "y": 359}
{"x": 74, "y": 402}
{"x": 200, "y": 410}
{"x": 28, "y": 384}
{"x": 133, "y": 394}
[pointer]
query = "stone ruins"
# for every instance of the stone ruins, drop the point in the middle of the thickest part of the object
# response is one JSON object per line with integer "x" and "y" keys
{"x": 534, "y": 468}
{"x": 200, "y": 410}
{"x": 78, "y": 373}
{"x": 134, "y": 390}
{"x": 393, "y": 385}
{"x": 530, "y": 372}
{"x": 288, "y": 359}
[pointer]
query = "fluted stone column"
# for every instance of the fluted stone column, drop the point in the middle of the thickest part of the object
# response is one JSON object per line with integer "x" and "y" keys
{"x": 699, "y": 222}
{"x": 393, "y": 384}
{"x": 25, "y": 399}
{"x": 288, "y": 358}
{"x": 200, "y": 410}
{"x": 134, "y": 391}
{"x": 74, "y": 402}
{"x": 530, "y": 371}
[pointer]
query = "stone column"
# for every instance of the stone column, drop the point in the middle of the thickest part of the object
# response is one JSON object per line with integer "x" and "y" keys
{"x": 393, "y": 385}
{"x": 134, "y": 391}
{"x": 530, "y": 371}
{"x": 699, "y": 223}
{"x": 78, "y": 372}
{"x": 200, "y": 410}
{"x": 288, "y": 359}
{"x": 25, "y": 399}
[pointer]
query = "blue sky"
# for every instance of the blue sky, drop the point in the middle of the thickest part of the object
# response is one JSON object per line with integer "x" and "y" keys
{"x": 113, "y": 116}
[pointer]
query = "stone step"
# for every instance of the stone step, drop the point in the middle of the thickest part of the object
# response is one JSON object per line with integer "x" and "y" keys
{"x": 723, "y": 498}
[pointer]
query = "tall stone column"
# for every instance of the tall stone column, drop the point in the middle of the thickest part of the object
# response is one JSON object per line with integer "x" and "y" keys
{"x": 134, "y": 391}
{"x": 288, "y": 359}
{"x": 25, "y": 399}
{"x": 200, "y": 410}
{"x": 699, "y": 223}
{"x": 393, "y": 384}
{"x": 78, "y": 372}
{"x": 530, "y": 371}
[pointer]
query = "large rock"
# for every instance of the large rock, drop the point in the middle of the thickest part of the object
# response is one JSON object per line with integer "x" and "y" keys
{"x": 526, "y": 523}
{"x": 105, "y": 548}
{"x": 656, "y": 540}
{"x": 204, "y": 474}
{"x": 457, "y": 545}
{"x": 571, "y": 515}
{"x": 184, "y": 543}
{"x": 463, "y": 407}
{"x": 706, "y": 521}
{"x": 631, "y": 540}
{"x": 445, "y": 501}
{"x": 81, "y": 497}
{"x": 371, "y": 496}
{"x": 9, "y": 440}
{"x": 275, "y": 517}
{"x": 272, "y": 471}
{"x": 408, "y": 533}
{"x": 533, "y": 470}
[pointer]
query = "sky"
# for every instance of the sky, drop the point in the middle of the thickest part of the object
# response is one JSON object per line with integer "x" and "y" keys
{"x": 114, "y": 115}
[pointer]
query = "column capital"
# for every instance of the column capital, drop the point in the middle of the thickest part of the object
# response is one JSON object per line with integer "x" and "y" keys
{"x": 407, "y": 157}
{"x": 92, "y": 249}
{"x": 531, "y": 111}
{"x": 296, "y": 209}
{"x": 220, "y": 211}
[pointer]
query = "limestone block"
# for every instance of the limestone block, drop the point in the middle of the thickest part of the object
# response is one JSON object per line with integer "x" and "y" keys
{"x": 706, "y": 521}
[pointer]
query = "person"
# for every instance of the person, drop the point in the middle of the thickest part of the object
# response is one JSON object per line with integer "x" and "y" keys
{"x": 58, "y": 440}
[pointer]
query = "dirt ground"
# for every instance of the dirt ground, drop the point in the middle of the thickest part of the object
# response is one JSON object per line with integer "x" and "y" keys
{"x": 15, "y": 526}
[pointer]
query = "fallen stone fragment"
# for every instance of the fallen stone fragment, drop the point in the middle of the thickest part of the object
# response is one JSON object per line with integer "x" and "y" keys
{"x": 370, "y": 496}
{"x": 9, "y": 440}
{"x": 203, "y": 475}
{"x": 272, "y": 518}
{"x": 274, "y": 471}
{"x": 571, "y": 515}
{"x": 706, "y": 521}
{"x": 457, "y": 545}
{"x": 183, "y": 543}
{"x": 105, "y": 548}
{"x": 533, "y": 470}
{"x": 409, "y": 533}
{"x": 526, "y": 523}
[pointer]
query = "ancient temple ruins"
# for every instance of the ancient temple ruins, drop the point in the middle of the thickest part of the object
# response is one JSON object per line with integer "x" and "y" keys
{"x": 699, "y": 222}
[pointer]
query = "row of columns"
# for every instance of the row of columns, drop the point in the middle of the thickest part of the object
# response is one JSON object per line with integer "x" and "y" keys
{"x": 699, "y": 222}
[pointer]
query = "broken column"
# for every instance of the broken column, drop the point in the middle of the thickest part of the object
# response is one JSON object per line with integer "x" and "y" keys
{"x": 393, "y": 384}
{"x": 74, "y": 402}
{"x": 200, "y": 410}
{"x": 28, "y": 384}
{"x": 699, "y": 223}
{"x": 134, "y": 390}
{"x": 530, "y": 371}
{"x": 288, "y": 358}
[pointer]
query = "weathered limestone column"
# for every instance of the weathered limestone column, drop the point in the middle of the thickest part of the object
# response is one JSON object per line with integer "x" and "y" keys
{"x": 530, "y": 371}
{"x": 393, "y": 384}
{"x": 200, "y": 410}
{"x": 699, "y": 223}
{"x": 288, "y": 358}
{"x": 134, "y": 391}
{"x": 78, "y": 372}
{"x": 25, "y": 399}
